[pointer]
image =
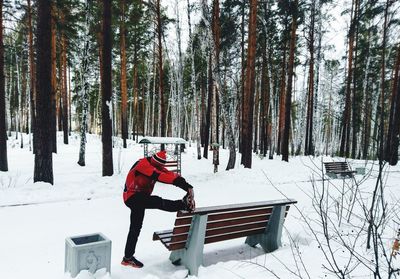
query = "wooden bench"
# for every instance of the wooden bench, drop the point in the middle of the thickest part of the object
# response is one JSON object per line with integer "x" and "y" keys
{"x": 336, "y": 169}
{"x": 260, "y": 222}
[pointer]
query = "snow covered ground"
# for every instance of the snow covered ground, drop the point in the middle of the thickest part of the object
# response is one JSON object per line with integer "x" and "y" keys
{"x": 36, "y": 218}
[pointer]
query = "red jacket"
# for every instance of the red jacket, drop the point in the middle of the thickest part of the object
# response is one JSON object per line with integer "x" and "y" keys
{"x": 143, "y": 175}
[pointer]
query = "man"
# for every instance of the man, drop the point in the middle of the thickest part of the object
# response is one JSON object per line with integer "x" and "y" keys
{"x": 137, "y": 196}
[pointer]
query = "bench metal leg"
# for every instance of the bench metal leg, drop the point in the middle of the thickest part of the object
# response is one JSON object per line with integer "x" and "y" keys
{"x": 331, "y": 175}
{"x": 270, "y": 240}
{"x": 192, "y": 255}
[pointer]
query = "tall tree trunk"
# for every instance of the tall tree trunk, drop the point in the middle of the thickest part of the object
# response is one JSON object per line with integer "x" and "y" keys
{"x": 193, "y": 85}
{"x": 135, "y": 113}
{"x": 69, "y": 101}
{"x": 249, "y": 85}
{"x": 106, "y": 84}
{"x": 392, "y": 144}
{"x": 43, "y": 170}
{"x": 124, "y": 90}
{"x": 23, "y": 98}
{"x": 309, "y": 148}
{"x": 218, "y": 84}
{"x": 32, "y": 73}
{"x": 367, "y": 110}
{"x": 263, "y": 104}
{"x": 355, "y": 117}
{"x": 288, "y": 102}
{"x": 256, "y": 118}
{"x": 216, "y": 32}
{"x": 383, "y": 87}
{"x": 53, "y": 78}
{"x": 345, "y": 138}
{"x": 203, "y": 110}
{"x": 85, "y": 87}
{"x": 64, "y": 91}
{"x": 282, "y": 94}
{"x": 160, "y": 73}
{"x": 208, "y": 113}
{"x": 242, "y": 80}
{"x": 3, "y": 131}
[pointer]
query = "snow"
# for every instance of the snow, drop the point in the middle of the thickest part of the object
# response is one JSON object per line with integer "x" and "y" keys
{"x": 36, "y": 218}
{"x": 167, "y": 140}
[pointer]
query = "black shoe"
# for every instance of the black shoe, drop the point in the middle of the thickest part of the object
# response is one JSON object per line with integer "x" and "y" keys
{"x": 132, "y": 261}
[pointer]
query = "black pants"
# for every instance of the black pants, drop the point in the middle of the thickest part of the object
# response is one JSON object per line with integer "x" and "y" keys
{"x": 138, "y": 203}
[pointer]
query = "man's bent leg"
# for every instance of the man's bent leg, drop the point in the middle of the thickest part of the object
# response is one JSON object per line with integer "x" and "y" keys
{"x": 163, "y": 204}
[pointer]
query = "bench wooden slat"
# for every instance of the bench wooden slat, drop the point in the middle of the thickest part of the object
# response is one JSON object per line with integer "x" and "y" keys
{"x": 226, "y": 215}
{"x": 212, "y": 239}
{"x": 183, "y": 221}
{"x": 229, "y": 215}
{"x": 180, "y": 234}
{"x": 232, "y": 229}
{"x": 172, "y": 237}
{"x": 233, "y": 235}
{"x": 231, "y": 207}
{"x": 224, "y": 223}
{"x": 239, "y": 214}
{"x": 157, "y": 236}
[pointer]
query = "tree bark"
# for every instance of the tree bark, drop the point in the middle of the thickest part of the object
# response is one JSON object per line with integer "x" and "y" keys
{"x": 309, "y": 148}
{"x": 32, "y": 72}
{"x": 345, "y": 138}
{"x": 85, "y": 87}
{"x": 106, "y": 84}
{"x": 383, "y": 87}
{"x": 288, "y": 102}
{"x": 124, "y": 90}
{"x": 282, "y": 94}
{"x": 160, "y": 72}
{"x": 248, "y": 98}
{"x": 392, "y": 141}
{"x": 3, "y": 131}
{"x": 43, "y": 169}
{"x": 193, "y": 85}
{"x": 53, "y": 78}
{"x": 208, "y": 113}
{"x": 64, "y": 91}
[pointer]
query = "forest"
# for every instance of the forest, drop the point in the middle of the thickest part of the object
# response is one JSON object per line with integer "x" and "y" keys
{"x": 255, "y": 77}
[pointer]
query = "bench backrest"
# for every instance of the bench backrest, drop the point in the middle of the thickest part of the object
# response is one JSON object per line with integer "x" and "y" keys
{"x": 172, "y": 166}
{"x": 336, "y": 166}
{"x": 225, "y": 222}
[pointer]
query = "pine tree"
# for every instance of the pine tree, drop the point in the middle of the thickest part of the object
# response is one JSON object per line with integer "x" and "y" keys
{"x": 249, "y": 88}
{"x": 124, "y": 93}
{"x": 43, "y": 170}
{"x": 392, "y": 144}
{"x": 3, "y": 131}
{"x": 309, "y": 145}
{"x": 288, "y": 101}
{"x": 106, "y": 89}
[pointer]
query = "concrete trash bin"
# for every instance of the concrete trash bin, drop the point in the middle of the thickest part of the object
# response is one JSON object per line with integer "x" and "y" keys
{"x": 360, "y": 170}
{"x": 87, "y": 252}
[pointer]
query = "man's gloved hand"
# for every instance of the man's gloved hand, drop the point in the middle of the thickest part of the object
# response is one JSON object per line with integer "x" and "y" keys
{"x": 188, "y": 200}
